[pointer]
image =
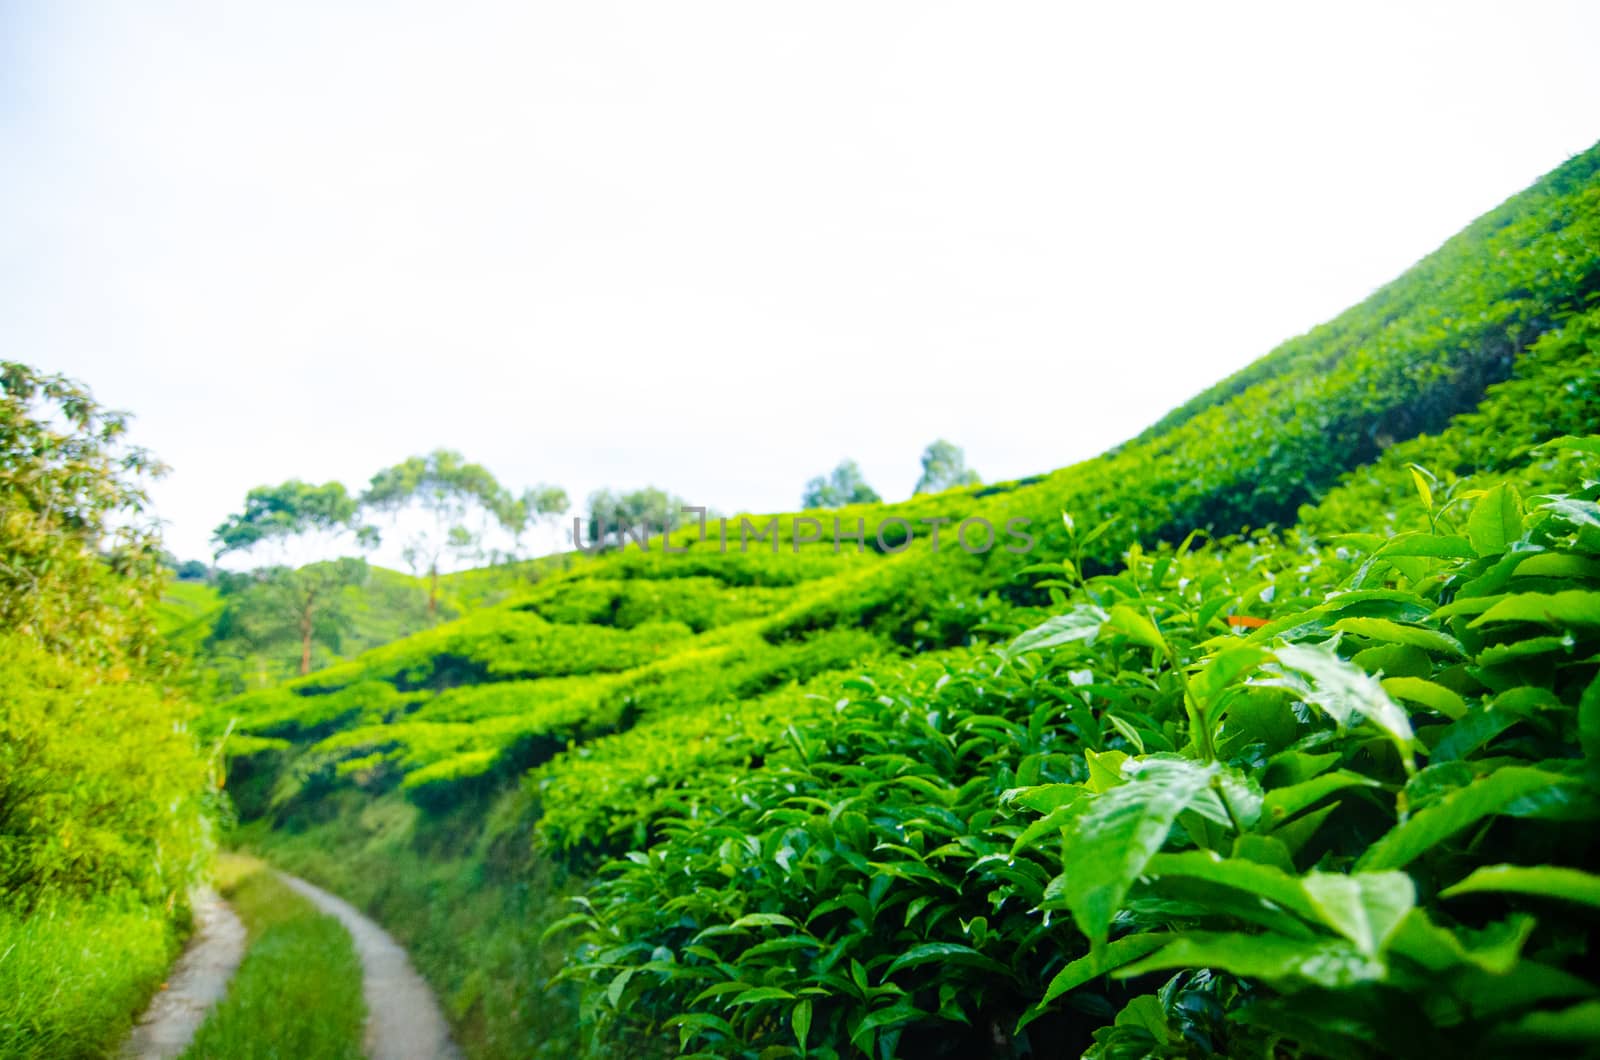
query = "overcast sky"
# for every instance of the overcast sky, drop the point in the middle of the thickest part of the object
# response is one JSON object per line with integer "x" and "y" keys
{"x": 718, "y": 247}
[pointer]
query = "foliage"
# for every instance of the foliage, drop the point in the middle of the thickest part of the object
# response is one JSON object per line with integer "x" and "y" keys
{"x": 616, "y": 518}
{"x": 1237, "y": 808}
{"x": 844, "y": 485}
{"x": 82, "y": 564}
{"x": 460, "y": 499}
{"x": 225, "y": 656}
{"x": 944, "y": 466}
{"x": 99, "y": 791}
{"x": 289, "y": 602}
{"x": 533, "y": 506}
{"x": 277, "y": 515}
{"x": 295, "y": 606}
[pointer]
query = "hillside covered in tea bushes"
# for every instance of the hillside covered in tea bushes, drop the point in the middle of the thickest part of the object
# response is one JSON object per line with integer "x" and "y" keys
{"x": 1280, "y": 738}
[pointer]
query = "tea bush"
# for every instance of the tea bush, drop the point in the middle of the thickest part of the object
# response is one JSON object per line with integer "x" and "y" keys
{"x": 955, "y": 858}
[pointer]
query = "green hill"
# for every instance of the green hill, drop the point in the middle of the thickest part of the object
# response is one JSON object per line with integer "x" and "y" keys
{"x": 1225, "y": 763}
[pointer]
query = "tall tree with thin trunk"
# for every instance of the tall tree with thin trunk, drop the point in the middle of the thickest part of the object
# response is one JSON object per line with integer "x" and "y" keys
{"x": 537, "y": 505}
{"x": 288, "y": 596}
{"x": 457, "y": 503}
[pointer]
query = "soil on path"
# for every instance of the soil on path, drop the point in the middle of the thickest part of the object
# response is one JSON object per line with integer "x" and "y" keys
{"x": 198, "y": 981}
{"x": 403, "y": 1017}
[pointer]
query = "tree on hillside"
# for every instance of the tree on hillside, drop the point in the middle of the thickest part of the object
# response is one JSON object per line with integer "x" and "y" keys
{"x": 269, "y": 607}
{"x": 944, "y": 466}
{"x": 458, "y": 501}
{"x": 287, "y": 597}
{"x": 844, "y": 485}
{"x": 533, "y": 507}
{"x": 641, "y": 513}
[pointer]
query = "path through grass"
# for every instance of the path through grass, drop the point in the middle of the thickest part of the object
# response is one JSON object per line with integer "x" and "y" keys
{"x": 298, "y": 992}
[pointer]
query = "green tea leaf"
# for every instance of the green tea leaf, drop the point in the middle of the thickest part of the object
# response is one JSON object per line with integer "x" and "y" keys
{"x": 1263, "y": 881}
{"x": 801, "y": 1019}
{"x": 1575, "y": 607}
{"x": 1495, "y": 949}
{"x": 1419, "y": 478}
{"x": 1343, "y": 690}
{"x": 1332, "y": 963}
{"x": 1431, "y": 695}
{"x": 1578, "y": 1023}
{"x": 1590, "y": 445}
{"x": 1430, "y": 827}
{"x": 761, "y": 993}
{"x": 1574, "y": 512}
{"x": 1589, "y": 722}
{"x": 1117, "y": 834}
{"x": 1546, "y": 881}
{"x": 692, "y": 1023}
{"x": 763, "y": 920}
{"x": 1423, "y": 545}
{"x": 618, "y": 985}
{"x": 902, "y": 1011}
{"x": 1558, "y": 565}
{"x": 1496, "y": 520}
{"x": 1094, "y": 964}
{"x": 1394, "y": 633}
{"x": 1080, "y": 624}
{"x": 1364, "y": 907}
{"x": 953, "y": 952}
{"x": 1136, "y": 627}
{"x": 1471, "y": 732}
{"x": 1279, "y": 804}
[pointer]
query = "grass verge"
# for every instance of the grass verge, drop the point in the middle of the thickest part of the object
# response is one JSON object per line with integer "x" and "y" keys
{"x": 73, "y": 976}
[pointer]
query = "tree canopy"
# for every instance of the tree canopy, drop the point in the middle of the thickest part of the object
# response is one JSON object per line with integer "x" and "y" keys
{"x": 843, "y": 485}
{"x": 82, "y": 565}
{"x": 944, "y": 466}
{"x": 288, "y": 600}
{"x": 531, "y": 508}
{"x": 275, "y": 516}
{"x": 459, "y": 500}
{"x": 614, "y": 515}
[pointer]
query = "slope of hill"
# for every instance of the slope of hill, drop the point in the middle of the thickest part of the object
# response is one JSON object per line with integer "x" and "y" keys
{"x": 385, "y": 606}
{"x": 1107, "y": 792}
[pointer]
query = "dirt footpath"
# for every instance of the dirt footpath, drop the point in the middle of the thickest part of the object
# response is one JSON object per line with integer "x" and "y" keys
{"x": 198, "y": 981}
{"x": 403, "y": 1018}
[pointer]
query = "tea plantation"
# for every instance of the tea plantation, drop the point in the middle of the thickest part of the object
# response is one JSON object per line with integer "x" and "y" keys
{"x": 1282, "y": 740}
{"x": 1280, "y": 737}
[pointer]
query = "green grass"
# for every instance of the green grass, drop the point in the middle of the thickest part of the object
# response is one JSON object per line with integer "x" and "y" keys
{"x": 74, "y": 975}
{"x": 298, "y": 992}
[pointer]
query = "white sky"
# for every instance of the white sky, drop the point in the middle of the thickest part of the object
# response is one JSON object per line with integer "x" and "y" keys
{"x": 718, "y": 247}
